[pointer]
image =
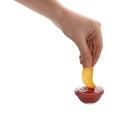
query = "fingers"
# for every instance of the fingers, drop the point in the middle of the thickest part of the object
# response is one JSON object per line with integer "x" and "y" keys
{"x": 86, "y": 62}
{"x": 98, "y": 45}
{"x": 94, "y": 47}
{"x": 95, "y": 44}
{"x": 85, "y": 57}
{"x": 96, "y": 56}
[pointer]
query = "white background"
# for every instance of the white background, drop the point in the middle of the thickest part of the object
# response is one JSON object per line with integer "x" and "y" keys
{"x": 39, "y": 65}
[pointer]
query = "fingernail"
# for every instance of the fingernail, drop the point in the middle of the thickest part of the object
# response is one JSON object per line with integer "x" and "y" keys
{"x": 87, "y": 63}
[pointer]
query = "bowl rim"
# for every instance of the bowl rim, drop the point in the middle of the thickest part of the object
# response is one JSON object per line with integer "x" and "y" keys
{"x": 98, "y": 92}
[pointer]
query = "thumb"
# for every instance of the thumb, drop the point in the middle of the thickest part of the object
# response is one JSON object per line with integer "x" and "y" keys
{"x": 85, "y": 61}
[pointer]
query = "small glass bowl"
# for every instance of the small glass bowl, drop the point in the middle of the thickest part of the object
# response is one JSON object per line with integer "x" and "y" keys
{"x": 89, "y": 95}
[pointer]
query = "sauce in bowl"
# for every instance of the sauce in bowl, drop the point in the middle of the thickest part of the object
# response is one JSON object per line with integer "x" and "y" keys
{"x": 89, "y": 95}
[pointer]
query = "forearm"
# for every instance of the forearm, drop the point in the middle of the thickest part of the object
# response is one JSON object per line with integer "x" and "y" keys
{"x": 51, "y": 9}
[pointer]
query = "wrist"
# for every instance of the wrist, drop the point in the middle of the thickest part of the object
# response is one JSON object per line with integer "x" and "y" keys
{"x": 59, "y": 16}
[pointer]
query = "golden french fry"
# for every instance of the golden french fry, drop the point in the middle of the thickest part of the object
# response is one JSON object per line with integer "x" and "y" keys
{"x": 87, "y": 74}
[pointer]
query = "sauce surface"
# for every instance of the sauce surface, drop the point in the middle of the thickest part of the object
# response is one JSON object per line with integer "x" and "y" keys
{"x": 90, "y": 90}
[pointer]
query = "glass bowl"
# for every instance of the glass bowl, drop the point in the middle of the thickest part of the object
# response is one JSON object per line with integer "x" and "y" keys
{"x": 89, "y": 95}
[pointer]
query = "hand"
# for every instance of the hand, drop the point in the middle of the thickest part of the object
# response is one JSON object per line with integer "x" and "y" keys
{"x": 86, "y": 34}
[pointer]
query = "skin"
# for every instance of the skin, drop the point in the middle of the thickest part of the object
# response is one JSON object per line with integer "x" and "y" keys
{"x": 83, "y": 31}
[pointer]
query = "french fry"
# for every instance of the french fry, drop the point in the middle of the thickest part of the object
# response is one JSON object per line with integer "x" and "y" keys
{"x": 87, "y": 77}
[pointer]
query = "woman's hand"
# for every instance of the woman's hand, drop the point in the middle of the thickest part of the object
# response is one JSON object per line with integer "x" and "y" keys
{"x": 86, "y": 34}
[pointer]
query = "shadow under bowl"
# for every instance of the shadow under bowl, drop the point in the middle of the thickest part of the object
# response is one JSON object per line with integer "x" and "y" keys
{"x": 89, "y": 95}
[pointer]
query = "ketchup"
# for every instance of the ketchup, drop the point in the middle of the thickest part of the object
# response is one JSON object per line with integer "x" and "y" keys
{"x": 89, "y": 95}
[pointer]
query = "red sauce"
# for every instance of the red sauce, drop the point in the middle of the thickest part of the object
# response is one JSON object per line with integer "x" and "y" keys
{"x": 89, "y": 95}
